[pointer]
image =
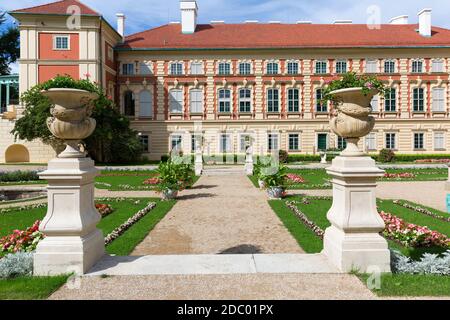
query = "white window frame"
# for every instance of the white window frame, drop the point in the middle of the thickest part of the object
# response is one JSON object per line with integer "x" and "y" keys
{"x": 145, "y": 137}
{"x": 273, "y": 139}
{"x": 290, "y": 102}
{"x": 224, "y": 102}
{"x": 241, "y": 64}
{"x": 245, "y": 100}
{"x": 175, "y": 70}
{"x": 271, "y": 109}
{"x": 435, "y": 63}
{"x": 371, "y": 141}
{"x": 132, "y": 69}
{"x": 441, "y": 136}
{"x": 178, "y": 142}
{"x": 196, "y": 104}
{"x": 417, "y": 66}
{"x": 318, "y": 70}
{"x": 242, "y": 141}
{"x": 340, "y": 63}
{"x": 273, "y": 71}
{"x": 392, "y": 142}
{"x": 228, "y": 143}
{"x": 226, "y": 68}
{"x": 324, "y": 106}
{"x": 420, "y": 101}
{"x": 420, "y": 140}
{"x": 141, "y": 104}
{"x": 388, "y": 70}
{"x": 197, "y": 68}
{"x": 291, "y": 134}
{"x": 438, "y": 97}
{"x": 391, "y": 99}
{"x": 371, "y": 66}
{"x": 145, "y": 68}
{"x": 55, "y": 42}
{"x": 175, "y": 101}
{"x": 297, "y": 68}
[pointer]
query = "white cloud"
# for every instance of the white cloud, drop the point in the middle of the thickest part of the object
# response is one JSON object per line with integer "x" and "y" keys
{"x": 145, "y": 14}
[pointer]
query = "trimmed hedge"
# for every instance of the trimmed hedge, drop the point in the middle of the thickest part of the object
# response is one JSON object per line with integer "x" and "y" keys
{"x": 16, "y": 176}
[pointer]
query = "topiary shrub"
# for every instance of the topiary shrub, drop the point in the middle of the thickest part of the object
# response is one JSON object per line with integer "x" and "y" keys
{"x": 283, "y": 156}
{"x": 386, "y": 155}
{"x": 16, "y": 265}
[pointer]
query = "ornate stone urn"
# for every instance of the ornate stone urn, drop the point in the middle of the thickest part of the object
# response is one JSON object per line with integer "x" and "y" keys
{"x": 353, "y": 119}
{"x": 71, "y": 120}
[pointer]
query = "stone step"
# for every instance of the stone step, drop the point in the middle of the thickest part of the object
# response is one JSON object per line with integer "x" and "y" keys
{"x": 212, "y": 264}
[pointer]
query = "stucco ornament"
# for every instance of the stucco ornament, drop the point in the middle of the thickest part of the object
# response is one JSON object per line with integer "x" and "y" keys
{"x": 71, "y": 119}
{"x": 352, "y": 120}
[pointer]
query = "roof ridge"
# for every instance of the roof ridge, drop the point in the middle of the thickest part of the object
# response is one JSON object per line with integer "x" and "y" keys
{"x": 53, "y": 3}
{"x": 41, "y": 5}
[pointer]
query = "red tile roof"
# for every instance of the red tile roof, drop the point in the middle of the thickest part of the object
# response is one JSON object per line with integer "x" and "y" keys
{"x": 258, "y": 35}
{"x": 59, "y": 7}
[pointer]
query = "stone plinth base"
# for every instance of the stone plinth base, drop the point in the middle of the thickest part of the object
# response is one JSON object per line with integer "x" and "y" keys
{"x": 353, "y": 241}
{"x": 72, "y": 243}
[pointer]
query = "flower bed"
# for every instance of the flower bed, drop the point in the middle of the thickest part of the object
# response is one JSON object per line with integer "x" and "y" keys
{"x": 103, "y": 209}
{"x": 129, "y": 223}
{"x": 412, "y": 235}
{"x": 23, "y": 208}
{"x": 152, "y": 181}
{"x": 26, "y": 240}
{"x": 403, "y": 175}
{"x": 421, "y": 210}
{"x": 432, "y": 161}
{"x": 310, "y": 224}
{"x": 294, "y": 178}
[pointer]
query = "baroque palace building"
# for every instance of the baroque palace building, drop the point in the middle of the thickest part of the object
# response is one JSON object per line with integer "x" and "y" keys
{"x": 259, "y": 80}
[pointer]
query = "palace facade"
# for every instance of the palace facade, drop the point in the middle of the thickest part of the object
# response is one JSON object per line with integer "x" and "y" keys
{"x": 228, "y": 82}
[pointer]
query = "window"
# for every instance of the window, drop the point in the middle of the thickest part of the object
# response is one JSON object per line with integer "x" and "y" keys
{"x": 243, "y": 142}
{"x": 245, "y": 101}
{"x": 371, "y": 66}
{"x": 195, "y": 139}
{"x": 390, "y": 140}
{"x": 390, "y": 100}
{"x": 176, "y": 101}
{"x": 175, "y": 142}
{"x": 437, "y": 66}
{"x": 146, "y": 104}
{"x": 196, "y": 101}
{"x": 145, "y": 68}
{"x": 321, "y": 67}
{"x": 245, "y": 68}
{"x": 143, "y": 139}
{"x": 128, "y": 69}
{"x": 292, "y": 67}
{"x": 389, "y": 66}
{"x": 341, "y": 143}
{"x": 417, "y": 66}
{"x": 272, "y": 142}
{"x": 438, "y": 100}
{"x": 225, "y": 143}
{"x": 176, "y": 68}
{"x": 61, "y": 43}
{"x": 293, "y": 100}
{"x": 110, "y": 53}
{"x": 418, "y": 141}
{"x": 371, "y": 141}
{"x": 320, "y": 105}
{"x": 272, "y": 68}
{"x": 196, "y": 68}
{"x": 341, "y": 66}
{"x": 322, "y": 141}
{"x": 418, "y": 100}
{"x": 128, "y": 102}
{"x": 225, "y": 101}
{"x": 224, "y": 68}
{"x": 273, "y": 100}
{"x": 375, "y": 102}
{"x": 294, "y": 144}
{"x": 439, "y": 141}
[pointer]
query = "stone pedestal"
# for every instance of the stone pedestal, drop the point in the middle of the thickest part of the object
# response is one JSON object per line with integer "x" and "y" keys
{"x": 198, "y": 163}
{"x": 72, "y": 242}
{"x": 353, "y": 241}
{"x": 249, "y": 161}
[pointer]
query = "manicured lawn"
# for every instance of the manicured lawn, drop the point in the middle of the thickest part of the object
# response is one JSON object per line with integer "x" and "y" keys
{"x": 30, "y": 288}
{"x": 411, "y": 285}
{"x": 19, "y": 220}
{"x": 420, "y": 174}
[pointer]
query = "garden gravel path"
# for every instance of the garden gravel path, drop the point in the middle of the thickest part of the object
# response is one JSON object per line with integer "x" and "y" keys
{"x": 427, "y": 193}
{"x": 227, "y": 287}
{"x": 221, "y": 214}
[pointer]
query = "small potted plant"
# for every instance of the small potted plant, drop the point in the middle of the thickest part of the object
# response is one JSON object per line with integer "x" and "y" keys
{"x": 170, "y": 182}
{"x": 274, "y": 179}
{"x": 351, "y": 96}
{"x": 261, "y": 163}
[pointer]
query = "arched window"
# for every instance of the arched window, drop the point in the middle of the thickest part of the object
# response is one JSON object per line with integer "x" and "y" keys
{"x": 146, "y": 105}
{"x": 128, "y": 102}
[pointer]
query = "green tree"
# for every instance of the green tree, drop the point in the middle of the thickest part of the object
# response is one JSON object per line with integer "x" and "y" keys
{"x": 9, "y": 46}
{"x": 113, "y": 141}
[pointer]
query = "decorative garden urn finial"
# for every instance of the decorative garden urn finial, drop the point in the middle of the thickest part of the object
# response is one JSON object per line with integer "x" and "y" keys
{"x": 71, "y": 119}
{"x": 352, "y": 120}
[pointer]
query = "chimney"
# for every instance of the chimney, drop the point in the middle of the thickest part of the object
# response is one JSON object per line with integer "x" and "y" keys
{"x": 121, "y": 25}
{"x": 399, "y": 20}
{"x": 189, "y": 11}
{"x": 425, "y": 22}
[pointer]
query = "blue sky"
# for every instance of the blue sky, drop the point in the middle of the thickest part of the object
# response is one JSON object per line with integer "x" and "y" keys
{"x": 145, "y": 14}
